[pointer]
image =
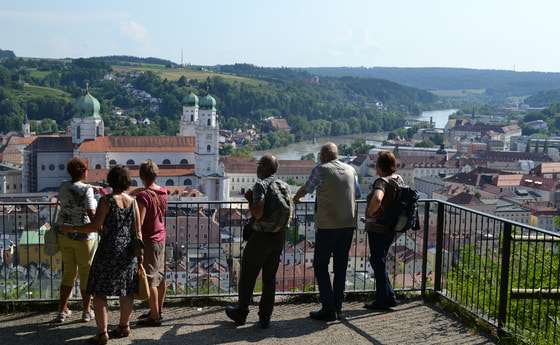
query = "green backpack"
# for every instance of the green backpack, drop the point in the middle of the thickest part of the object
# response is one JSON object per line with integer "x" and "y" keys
{"x": 278, "y": 208}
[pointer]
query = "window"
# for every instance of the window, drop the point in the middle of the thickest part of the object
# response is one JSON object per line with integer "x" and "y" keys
{"x": 208, "y": 148}
{"x": 61, "y": 167}
{"x": 209, "y": 122}
{"x": 187, "y": 182}
{"x": 78, "y": 133}
{"x": 97, "y": 166}
{"x": 192, "y": 118}
{"x": 112, "y": 162}
{"x": 166, "y": 161}
{"x": 134, "y": 183}
{"x": 51, "y": 167}
{"x": 169, "y": 182}
{"x": 43, "y": 167}
{"x": 130, "y": 162}
{"x": 184, "y": 161}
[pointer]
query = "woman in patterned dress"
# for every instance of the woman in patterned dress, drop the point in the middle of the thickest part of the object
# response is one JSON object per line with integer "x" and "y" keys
{"x": 114, "y": 271}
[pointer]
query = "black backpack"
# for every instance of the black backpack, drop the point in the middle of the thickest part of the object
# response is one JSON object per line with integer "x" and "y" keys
{"x": 402, "y": 215}
{"x": 278, "y": 208}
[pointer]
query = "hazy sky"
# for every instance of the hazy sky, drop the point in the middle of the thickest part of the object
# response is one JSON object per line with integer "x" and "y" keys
{"x": 484, "y": 34}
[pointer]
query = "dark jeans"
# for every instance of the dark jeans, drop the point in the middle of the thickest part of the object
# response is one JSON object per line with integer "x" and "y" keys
{"x": 378, "y": 246}
{"x": 335, "y": 243}
{"x": 261, "y": 252}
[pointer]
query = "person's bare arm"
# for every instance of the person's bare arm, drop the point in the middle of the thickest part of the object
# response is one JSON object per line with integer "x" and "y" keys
{"x": 375, "y": 203}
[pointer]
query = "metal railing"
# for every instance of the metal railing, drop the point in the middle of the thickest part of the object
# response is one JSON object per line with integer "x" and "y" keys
{"x": 504, "y": 272}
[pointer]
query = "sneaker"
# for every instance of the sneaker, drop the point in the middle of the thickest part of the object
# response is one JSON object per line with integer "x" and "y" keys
{"x": 87, "y": 317}
{"x": 61, "y": 317}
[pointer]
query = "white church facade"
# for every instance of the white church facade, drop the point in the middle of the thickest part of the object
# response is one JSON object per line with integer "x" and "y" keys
{"x": 194, "y": 150}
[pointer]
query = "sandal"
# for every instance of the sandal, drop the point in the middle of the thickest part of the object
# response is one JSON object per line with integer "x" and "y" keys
{"x": 149, "y": 322}
{"x": 120, "y": 332}
{"x": 145, "y": 315}
{"x": 99, "y": 339}
{"x": 148, "y": 315}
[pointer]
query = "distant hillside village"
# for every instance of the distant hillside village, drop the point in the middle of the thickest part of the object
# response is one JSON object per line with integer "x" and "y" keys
{"x": 487, "y": 167}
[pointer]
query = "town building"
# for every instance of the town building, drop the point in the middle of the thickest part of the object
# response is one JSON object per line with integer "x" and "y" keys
{"x": 194, "y": 150}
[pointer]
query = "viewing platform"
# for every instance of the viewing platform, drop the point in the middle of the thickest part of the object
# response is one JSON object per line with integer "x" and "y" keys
{"x": 411, "y": 322}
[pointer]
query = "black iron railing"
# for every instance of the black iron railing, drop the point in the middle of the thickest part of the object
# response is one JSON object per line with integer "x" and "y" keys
{"x": 504, "y": 272}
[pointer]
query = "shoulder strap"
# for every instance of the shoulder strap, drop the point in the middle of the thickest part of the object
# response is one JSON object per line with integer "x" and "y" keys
{"x": 160, "y": 205}
{"x": 395, "y": 185}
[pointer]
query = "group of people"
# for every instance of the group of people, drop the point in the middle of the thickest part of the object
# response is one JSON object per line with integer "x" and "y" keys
{"x": 110, "y": 268}
{"x": 337, "y": 188}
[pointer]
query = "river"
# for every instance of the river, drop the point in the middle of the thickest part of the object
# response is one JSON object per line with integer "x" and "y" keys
{"x": 296, "y": 150}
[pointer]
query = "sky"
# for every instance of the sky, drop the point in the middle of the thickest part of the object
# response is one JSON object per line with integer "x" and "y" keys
{"x": 482, "y": 34}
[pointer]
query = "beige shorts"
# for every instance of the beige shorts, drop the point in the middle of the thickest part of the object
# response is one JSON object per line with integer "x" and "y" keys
{"x": 154, "y": 262}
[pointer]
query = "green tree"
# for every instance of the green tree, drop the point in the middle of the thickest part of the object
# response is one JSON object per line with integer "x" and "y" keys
{"x": 536, "y": 146}
{"x": 308, "y": 157}
{"x": 528, "y": 145}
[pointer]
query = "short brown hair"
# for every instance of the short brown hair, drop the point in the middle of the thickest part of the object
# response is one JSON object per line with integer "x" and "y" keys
{"x": 148, "y": 170}
{"x": 386, "y": 162}
{"x": 76, "y": 167}
{"x": 119, "y": 178}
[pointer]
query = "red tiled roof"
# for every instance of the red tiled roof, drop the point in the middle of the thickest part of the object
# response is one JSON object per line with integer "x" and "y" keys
{"x": 139, "y": 144}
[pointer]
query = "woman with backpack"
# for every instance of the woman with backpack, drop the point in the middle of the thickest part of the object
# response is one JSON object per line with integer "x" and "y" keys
{"x": 77, "y": 207}
{"x": 380, "y": 237}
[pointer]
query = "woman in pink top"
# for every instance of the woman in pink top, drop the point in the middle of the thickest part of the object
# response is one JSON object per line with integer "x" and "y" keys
{"x": 152, "y": 201}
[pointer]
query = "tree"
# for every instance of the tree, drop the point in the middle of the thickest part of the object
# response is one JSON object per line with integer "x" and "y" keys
{"x": 545, "y": 148}
{"x": 537, "y": 146}
{"x": 396, "y": 150}
{"x": 308, "y": 157}
{"x": 528, "y": 146}
{"x": 438, "y": 139}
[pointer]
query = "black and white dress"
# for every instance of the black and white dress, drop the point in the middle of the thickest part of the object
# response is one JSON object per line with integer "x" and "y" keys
{"x": 114, "y": 271}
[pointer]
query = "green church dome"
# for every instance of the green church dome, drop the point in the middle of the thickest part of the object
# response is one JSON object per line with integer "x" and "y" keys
{"x": 87, "y": 106}
{"x": 208, "y": 103}
{"x": 190, "y": 100}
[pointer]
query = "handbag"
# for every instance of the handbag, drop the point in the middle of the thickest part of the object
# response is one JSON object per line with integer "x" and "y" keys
{"x": 137, "y": 245}
{"x": 50, "y": 238}
{"x": 143, "y": 288}
{"x": 248, "y": 229}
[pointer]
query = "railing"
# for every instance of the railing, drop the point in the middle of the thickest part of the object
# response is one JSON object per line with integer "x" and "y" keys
{"x": 505, "y": 273}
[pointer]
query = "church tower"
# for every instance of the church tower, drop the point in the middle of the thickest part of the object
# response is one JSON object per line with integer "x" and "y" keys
{"x": 207, "y": 137}
{"x": 25, "y": 127}
{"x": 86, "y": 124}
{"x": 189, "y": 119}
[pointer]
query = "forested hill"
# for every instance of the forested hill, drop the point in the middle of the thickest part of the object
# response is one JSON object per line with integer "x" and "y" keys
{"x": 409, "y": 100}
{"x": 246, "y": 97}
{"x": 126, "y": 59}
{"x": 495, "y": 85}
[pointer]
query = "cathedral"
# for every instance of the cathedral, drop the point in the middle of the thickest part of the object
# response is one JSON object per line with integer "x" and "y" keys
{"x": 188, "y": 159}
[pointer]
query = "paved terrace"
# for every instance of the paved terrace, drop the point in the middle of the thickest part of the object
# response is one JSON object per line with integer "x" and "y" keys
{"x": 412, "y": 322}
